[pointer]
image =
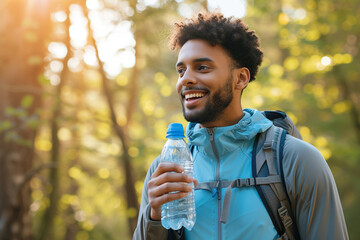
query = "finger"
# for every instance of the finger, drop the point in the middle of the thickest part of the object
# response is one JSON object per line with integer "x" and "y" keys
{"x": 156, "y": 203}
{"x": 167, "y": 167}
{"x": 169, "y": 177}
{"x": 169, "y": 187}
{"x": 156, "y": 194}
{"x": 195, "y": 182}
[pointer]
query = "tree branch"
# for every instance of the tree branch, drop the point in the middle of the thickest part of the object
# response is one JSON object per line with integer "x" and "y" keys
{"x": 131, "y": 195}
{"x": 354, "y": 113}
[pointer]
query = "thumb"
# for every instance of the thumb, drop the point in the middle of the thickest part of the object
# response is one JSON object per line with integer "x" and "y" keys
{"x": 195, "y": 182}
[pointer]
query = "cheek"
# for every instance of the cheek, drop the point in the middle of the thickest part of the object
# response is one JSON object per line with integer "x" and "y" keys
{"x": 178, "y": 86}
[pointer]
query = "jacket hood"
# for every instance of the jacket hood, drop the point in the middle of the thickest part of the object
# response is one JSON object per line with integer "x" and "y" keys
{"x": 227, "y": 138}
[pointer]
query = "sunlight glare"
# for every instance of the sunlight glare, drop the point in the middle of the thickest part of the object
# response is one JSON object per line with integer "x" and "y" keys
{"x": 127, "y": 58}
{"x": 320, "y": 66}
{"x": 54, "y": 79}
{"x": 94, "y": 4}
{"x": 325, "y": 61}
{"x": 188, "y": 10}
{"x": 296, "y": 14}
{"x": 300, "y": 14}
{"x": 78, "y": 29}
{"x": 140, "y": 6}
{"x": 112, "y": 68}
{"x": 78, "y": 35}
{"x": 57, "y": 49}
{"x": 90, "y": 56}
{"x": 151, "y": 3}
{"x": 106, "y": 50}
{"x": 56, "y": 66}
{"x": 121, "y": 40}
{"x": 74, "y": 64}
{"x": 236, "y": 8}
{"x": 59, "y": 16}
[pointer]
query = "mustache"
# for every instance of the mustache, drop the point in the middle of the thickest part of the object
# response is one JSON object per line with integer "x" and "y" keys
{"x": 193, "y": 88}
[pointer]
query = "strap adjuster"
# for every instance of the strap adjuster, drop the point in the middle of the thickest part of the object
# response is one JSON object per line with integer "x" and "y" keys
{"x": 285, "y": 218}
{"x": 268, "y": 145}
{"x": 239, "y": 183}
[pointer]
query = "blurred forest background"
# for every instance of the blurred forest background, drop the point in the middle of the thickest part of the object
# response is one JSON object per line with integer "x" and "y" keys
{"x": 87, "y": 92}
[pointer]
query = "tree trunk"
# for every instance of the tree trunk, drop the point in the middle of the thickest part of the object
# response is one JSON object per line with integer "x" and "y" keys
{"x": 347, "y": 95}
{"x": 121, "y": 132}
{"x": 47, "y": 226}
{"x": 24, "y": 28}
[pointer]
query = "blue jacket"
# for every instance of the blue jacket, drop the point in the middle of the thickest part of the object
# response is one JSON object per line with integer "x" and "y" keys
{"x": 248, "y": 218}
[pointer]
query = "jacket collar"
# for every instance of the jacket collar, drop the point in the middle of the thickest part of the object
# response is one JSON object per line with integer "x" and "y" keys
{"x": 230, "y": 137}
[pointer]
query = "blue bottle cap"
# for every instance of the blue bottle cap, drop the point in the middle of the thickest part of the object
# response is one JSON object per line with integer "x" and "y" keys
{"x": 175, "y": 130}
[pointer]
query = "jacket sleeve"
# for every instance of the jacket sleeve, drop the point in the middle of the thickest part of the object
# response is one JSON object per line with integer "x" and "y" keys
{"x": 312, "y": 191}
{"x": 148, "y": 229}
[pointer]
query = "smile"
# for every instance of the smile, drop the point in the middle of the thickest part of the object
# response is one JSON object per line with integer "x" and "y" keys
{"x": 194, "y": 95}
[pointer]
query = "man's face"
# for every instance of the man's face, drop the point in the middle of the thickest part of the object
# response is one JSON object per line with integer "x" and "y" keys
{"x": 205, "y": 81}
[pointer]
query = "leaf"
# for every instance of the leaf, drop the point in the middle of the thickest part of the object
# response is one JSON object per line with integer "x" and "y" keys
{"x": 9, "y": 111}
{"x": 27, "y": 101}
{"x": 32, "y": 122}
{"x": 5, "y": 125}
{"x": 43, "y": 80}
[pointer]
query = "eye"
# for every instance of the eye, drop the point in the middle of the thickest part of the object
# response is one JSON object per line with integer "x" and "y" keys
{"x": 203, "y": 67}
{"x": 181, "y": 71}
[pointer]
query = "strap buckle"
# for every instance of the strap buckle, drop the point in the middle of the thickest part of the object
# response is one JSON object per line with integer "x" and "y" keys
{"x": 285, "y": 218}
{"x": 239, "y": 183}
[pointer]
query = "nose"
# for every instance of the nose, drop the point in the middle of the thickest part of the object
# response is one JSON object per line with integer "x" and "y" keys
{"x": 188, "y": 78}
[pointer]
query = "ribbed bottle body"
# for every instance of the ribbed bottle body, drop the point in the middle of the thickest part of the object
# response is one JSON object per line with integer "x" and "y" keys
{"x": 181, "y": 212}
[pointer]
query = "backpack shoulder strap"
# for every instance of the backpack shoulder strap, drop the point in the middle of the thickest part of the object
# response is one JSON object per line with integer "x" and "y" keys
{"x": 267, "y": 161}
{"x": 176, "y": 234}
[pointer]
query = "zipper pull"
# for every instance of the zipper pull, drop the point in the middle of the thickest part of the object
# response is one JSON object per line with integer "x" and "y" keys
{"x": 211, "y": 133}
{"x": 215, "y": 190}
{"x": 218, "y": 190}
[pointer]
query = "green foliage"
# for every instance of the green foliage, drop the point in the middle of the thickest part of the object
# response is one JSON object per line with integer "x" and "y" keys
{"x": 5, "y": 125}
{"x": 19, "y": 118}
{"x": 27, "y": 101}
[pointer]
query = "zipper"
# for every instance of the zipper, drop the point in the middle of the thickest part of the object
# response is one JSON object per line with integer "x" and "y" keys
{"x": 211, "y": 132}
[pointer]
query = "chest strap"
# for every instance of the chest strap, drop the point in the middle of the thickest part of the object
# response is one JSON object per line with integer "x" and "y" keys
{"x": 238, "y": 183}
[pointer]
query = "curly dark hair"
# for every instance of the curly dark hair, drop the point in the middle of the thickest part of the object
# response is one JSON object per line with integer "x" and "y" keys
{"x": 241, "y": 44}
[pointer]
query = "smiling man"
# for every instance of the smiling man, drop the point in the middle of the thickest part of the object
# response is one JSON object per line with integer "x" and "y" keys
{"x": 205, "y": 84}
{"x": 218, "y": 57}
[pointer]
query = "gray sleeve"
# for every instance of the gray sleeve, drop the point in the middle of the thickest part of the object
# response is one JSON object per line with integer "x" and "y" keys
{"x": 312, "y": 190}
{"x": 146, "y": 228}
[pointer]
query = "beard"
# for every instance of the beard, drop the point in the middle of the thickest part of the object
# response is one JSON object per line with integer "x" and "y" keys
{"x": 214, "y": 107}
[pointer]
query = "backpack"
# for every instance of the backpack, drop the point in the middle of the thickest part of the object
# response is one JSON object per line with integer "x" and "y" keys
{"x": 268, "y": 147}
{"x": 268, "y": 176}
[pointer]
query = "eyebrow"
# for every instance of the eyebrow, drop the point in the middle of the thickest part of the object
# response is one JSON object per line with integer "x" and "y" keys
{"x": 204, "y": 59}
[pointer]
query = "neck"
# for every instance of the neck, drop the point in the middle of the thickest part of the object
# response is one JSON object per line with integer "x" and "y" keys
{"x": 228, "y": 118}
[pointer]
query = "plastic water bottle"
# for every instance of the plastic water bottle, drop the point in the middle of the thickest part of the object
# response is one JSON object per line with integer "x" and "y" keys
{"x": 181, "y": 212}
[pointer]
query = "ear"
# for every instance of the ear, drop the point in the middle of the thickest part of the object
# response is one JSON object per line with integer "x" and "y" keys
{"x": 242, "y": 78}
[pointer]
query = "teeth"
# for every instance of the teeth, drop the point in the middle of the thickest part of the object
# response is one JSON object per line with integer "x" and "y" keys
{"x": 193, "y": 95}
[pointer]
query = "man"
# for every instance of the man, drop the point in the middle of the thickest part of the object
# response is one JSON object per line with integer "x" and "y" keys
{"x": 218, "y": 57}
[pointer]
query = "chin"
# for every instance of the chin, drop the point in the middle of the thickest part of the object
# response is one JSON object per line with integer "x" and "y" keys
{"x": 195, "y": 118}
{"x": 190, "y": 117}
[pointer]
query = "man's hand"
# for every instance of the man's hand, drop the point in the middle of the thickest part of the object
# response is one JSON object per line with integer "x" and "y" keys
{"x": 167, "y": 183}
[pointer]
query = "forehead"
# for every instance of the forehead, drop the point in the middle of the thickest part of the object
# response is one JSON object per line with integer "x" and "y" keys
{"x": 198, "y": 49}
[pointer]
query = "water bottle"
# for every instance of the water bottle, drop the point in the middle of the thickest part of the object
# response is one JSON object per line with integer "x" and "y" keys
{"x": 181, "y": 212}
